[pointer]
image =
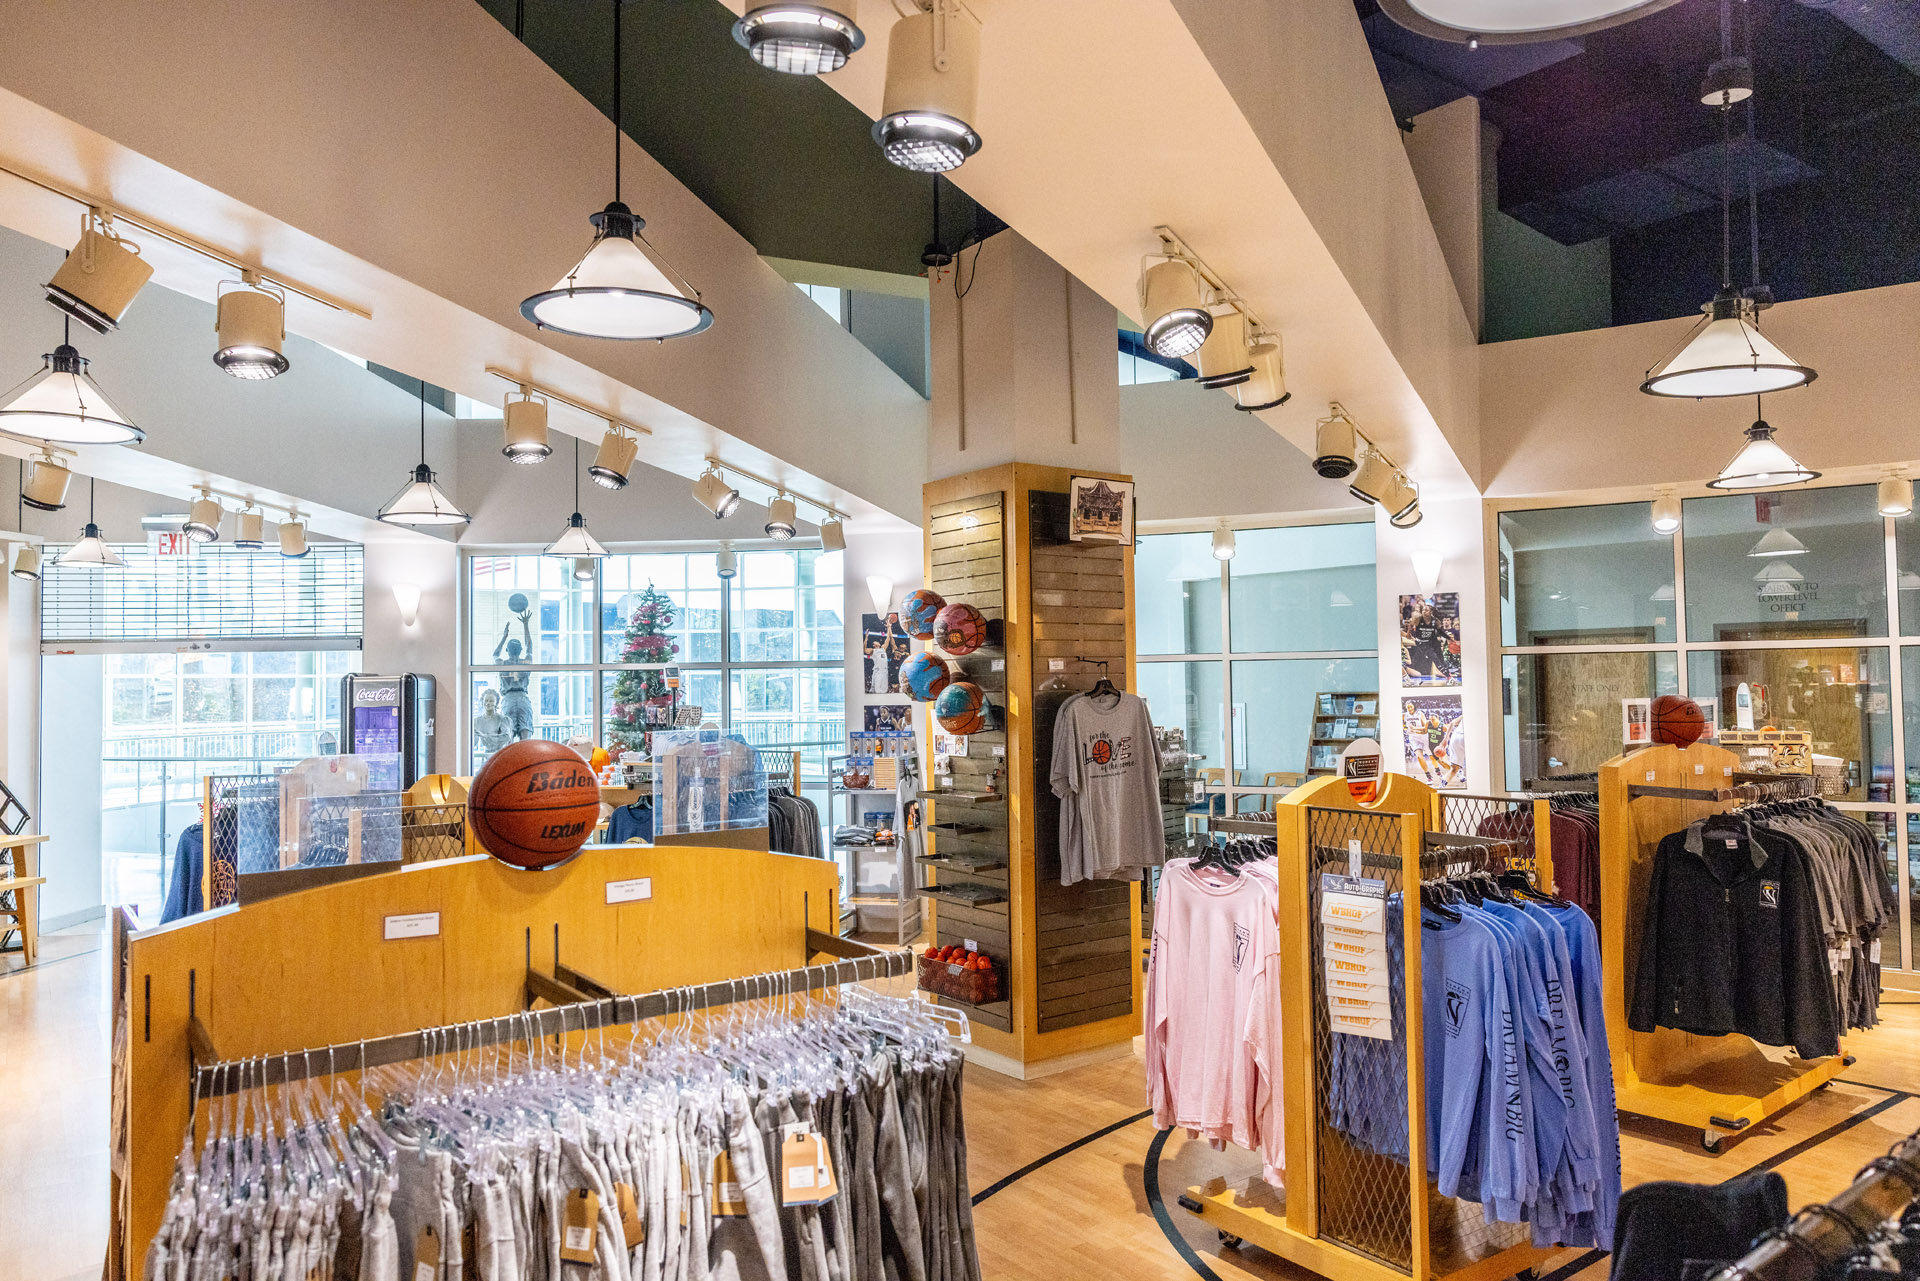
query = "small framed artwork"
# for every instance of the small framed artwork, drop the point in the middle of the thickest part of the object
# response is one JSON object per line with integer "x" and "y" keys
{"x": 1100, "y": 511}
{"x": 889, "y": 716}
{"x": 1636, "y": 721}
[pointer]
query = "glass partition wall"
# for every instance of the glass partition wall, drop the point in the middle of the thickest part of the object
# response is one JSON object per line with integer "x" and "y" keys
{"x": 1807, "y": 600}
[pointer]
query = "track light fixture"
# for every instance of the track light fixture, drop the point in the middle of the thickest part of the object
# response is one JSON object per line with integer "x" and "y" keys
{"x": 713, "y": 492}
{"x": 1762, "y": 463}
{"x": 613, "y": 463}
{"x": 1666, "y": 511}
{"x": 26, "y": 557}
{"x": 1411, "y": 516}
{"x": 45, "y": 486}
{"x": 932, "y": 89}
{"x": 1896, "y": 494}
{"x": 1401, "y": 495}
{"x": 780, "y": 518}
{"x": 248, "y": 528}
{"x": 574, "y": 541}
{"x": 583, "y": 568}
{"x": 100, "y": 276}
{"x": 1267, "y": 388}
{"x": 421, "y": 501}
{"x": 1373, "y": 477}
{"x": 1223, "y": 547}
{"x": 799, "y": 39}
{"x": 725, "y": 563}
{"x": 1377, "y": 480}
{"x": 293, "y": 537}
{"x": 1223, "y": 358}
{"x": 202, "y": 524}
{"x": 252, "y": 324}
{"x": 1336, "y": 445}
{"x": 1173, "y": 308}
{"x": 616, "y": 291}
{"x": 524, "y": 422}
{"x": 62, "y": 403}
{"x": 833, "y": 536}
{"x": 92, "y": 551}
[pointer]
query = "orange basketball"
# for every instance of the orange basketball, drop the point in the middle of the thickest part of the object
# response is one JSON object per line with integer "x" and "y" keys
{"x": 1677, "y": 720}
{"x": 534, "y": 803}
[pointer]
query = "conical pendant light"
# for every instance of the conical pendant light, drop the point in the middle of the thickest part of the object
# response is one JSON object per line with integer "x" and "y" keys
{"x": 91, "y": 552}
{"x": 61, "y": 403}
{"x": 421, "y": 501}
{"x": 575, "y": 543}
{"x": 616, "y": 291}
{"x": 1778, "y": 542}
{"x": 1762, "y": 464}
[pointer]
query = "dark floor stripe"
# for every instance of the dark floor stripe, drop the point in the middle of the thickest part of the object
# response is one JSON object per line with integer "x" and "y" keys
{"x": 1150, "y": 1174}
{"x": 1785, "y": 1155}
{"x": 1057, "y": 1153}
{"x": 1576, "y": 1267}
{"x": 1868, "y": 1085}
{"x": 43, "y": 963}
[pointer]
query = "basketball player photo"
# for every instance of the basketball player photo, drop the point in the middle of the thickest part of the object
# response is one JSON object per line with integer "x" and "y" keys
{"x": 1436, "y": 740}
{"x": 1430, "y": 641}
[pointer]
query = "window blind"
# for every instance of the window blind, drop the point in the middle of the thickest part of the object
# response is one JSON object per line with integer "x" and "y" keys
{"x": 217, "y": 593}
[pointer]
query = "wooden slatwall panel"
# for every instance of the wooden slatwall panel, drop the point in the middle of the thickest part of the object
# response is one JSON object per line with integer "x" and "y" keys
{"x": 1083, "y": 936}
{"x": 969, "y": 565}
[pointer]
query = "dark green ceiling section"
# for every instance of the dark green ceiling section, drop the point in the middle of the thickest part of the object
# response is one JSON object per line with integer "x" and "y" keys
{"x": 788, "y": 162}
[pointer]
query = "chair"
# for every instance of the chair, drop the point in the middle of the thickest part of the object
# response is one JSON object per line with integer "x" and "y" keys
{"x": 20, "y": 892}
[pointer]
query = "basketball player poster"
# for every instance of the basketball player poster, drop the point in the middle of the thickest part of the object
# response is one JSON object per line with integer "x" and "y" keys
{"x": 1430, "y": 641}
{"x": 884, "y": 645}
{"x": 1436, "y": 739}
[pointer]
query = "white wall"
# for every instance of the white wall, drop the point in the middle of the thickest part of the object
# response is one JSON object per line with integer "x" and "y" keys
{"x": 72, "y": 694}
{"x": 431, "y": 645}
{"x": 897, "y": 556}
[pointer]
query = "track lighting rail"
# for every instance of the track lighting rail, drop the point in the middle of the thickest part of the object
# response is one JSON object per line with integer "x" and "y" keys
{"x": 153, "y": 227}
{"x": 776, "y": 486}
{"x": 247, "y": 500}
{"x": 562, "y": 398}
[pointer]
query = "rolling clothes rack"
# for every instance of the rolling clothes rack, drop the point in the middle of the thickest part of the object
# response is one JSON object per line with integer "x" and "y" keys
{"x": 1719, "y": 1085}
{"x": 1820, "y": 1236}
{"x": 1348, "y": 1212}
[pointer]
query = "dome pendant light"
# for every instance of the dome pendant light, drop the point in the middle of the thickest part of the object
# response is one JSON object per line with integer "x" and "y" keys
{"x": 252, "y": 324}
{"x": 62, "y": 404}
{"x": 1761, "y": 464}
{"x": 421, "y": 501}
{"x": 524, "y": 422}
{"x": 616, "y": 291}
{"x": 1896, "y": 494}
{"x": 26, "y": 557}
{"x": 92, "y": 551}
{"x": 932, "y": 89}
{"x": 1665, "y": 511}
{"x": 46, "y": 485}
{"x": 575, "y": 543}
{"x": 799, "y": 39}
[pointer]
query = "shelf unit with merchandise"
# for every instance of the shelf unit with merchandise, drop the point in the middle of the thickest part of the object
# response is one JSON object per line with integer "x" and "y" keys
{"x": 1340, "y": 717}
{"x": 879, "y": 883}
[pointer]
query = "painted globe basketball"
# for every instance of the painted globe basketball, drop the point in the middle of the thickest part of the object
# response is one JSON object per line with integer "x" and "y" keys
{"x": 517, "y": 603}
{"x": 534, "y": 803}
{"x": 1677, "y": 720}
{"x": 961, "y": 708}
{"x": 924, "y": 675}
{"x": 960, "y": 629}
{"x": 918, "y": 611}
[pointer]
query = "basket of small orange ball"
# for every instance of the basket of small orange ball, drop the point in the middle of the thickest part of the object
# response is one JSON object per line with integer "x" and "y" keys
{"x": 956, "y": 972}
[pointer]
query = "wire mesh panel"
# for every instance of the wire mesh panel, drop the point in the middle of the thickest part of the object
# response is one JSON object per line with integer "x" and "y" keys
{"x": 1496, "y": 817}
{"x": 241, "y": 834}
{"x": 430, "y": 832}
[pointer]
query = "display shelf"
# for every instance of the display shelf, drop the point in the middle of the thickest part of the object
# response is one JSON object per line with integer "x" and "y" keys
{"x": 890, "y": 910}
{"x": 958, "y": 829}
{"x": 964, "y": 895}
{"x": 1332, "y": 710}
{"x": 965, "y": 867}
{"x": 970, "y": 798}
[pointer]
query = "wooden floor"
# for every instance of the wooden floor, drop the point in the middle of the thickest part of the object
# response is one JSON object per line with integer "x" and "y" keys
{"x": 1084, "y": 1212}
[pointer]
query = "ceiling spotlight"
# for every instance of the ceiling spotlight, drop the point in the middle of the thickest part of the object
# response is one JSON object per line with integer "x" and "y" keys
{"x": 799, "y": 39}
{"x": 26, "y": 562}
{"x": 1267, "y": 389}
{"x": 1336, "y": 447}
{"x": 1223, "y": 356}
{"x": 1666, "y": 511}
{"x": 91, "y": 552}
{"x": 1408, "y": 518}
{"x": 252, "y": 324}
{"x": 1778, "y": 542}
{"x": 583, "y": 568}
{"x": 712, "y": 492}
{"x": 202, "y": 524}
{"x": 833, "y": 535}
{"x": 1223, "y": 547}
{"x": 293, "y": 537}
{"x": 46, "y": 485}
{"x": 1761, "y": 464}
{"x": 614, "y": 462}
{"x": 1896, "y": 494}
{"x": 525, "y": 425}
{"x": 97, "y": 282}
{"x": 725, "y": 564}
{"x": 1400, "y": 497}
{"x": 1174, "y": 308}
{"x": 616, "y": 291}
{"x": 248, "y": 527}
{"x": 1373, "y": 478}
{"x": 421, "y": 501}
{"x": 61, "y": 403}
{"x": 780, "y": 518}
{"x": 932, "y": 87}
{"x": 1728, "y": 81}
{"x": 1726, "y": 356}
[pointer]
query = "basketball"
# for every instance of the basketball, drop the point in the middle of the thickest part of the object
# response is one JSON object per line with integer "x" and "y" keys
{"x": 961, "y": 708}
{"x": 534, "y": 803}
{"x": 1677, "y": 720}
{"x": 517, "y": 603}
{"x": 918, "y": 611}
{"x": 960, "y": 629}
{"x": 924, "y": 675}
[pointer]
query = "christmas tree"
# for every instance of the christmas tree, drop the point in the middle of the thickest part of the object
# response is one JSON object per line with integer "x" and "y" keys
{"x": 635, "y": 692}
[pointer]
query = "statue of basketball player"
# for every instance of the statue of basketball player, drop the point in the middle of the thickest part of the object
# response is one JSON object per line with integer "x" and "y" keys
{"x": 514, "y": 702}
{"x": 491, "y": 730}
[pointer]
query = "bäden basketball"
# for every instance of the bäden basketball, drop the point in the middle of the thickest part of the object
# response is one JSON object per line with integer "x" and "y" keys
{"x": 534, "y": 804}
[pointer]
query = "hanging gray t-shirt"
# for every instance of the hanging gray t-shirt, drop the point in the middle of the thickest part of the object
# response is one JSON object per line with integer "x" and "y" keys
{"x": 1106, "y": 772}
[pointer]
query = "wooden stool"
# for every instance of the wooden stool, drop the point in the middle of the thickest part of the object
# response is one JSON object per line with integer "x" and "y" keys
{"x": 20, "y": 892}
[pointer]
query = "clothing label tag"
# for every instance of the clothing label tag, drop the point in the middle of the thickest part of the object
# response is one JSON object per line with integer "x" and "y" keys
{"x": 1700, "y": 769}
{"x": 413, "y": 925}
{"x": 1649, "y": 776}
{"x": 999, "y": 665}
{"x": 728, "y": 1201}
{"x": 641, "y": 887}
{"x": 1873, "y": 953}
{"x": 632, "y": 1227}
{"x": 426, "y": 1255}
{"x": 806, "y": 1170}
{"x": 1353, "y": 857}
{"x": 583, "y": 1216}
{"x": 1833, "y": 959}
{"x": 687, "y": 1191}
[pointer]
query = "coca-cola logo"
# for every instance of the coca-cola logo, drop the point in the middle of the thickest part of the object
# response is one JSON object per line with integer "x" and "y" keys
{"x": 372, "y": 695}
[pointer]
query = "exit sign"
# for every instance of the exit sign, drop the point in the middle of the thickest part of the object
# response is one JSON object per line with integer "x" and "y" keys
{"x": 169, "y": 543}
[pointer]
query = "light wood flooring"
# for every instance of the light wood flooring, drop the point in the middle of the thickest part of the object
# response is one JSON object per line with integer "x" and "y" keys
{"x": 1084, "y": 1212}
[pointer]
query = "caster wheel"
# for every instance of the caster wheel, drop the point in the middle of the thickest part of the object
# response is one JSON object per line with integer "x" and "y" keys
{"x": 1710, "y": 1140}
{"x": 1229, "y": 1241}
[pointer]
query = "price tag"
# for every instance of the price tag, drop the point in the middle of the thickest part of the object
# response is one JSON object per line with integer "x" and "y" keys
{"x": 632, "y": 1226}
{"x": 1873, "y": 953}
{"x": 640, "y": 887}
{"x": 1353, "y": 857}
{"x": 728, "y": 1201}
{"x": 583, "y": 1218}
{"x": 970, "y": 944}
{"x": 999, "y": 749}
{"x": 1056, "y": 664}
{"x": 999, "y": 665}
{"x": 426, "y": 1255}
{"x": 413, "y": 925}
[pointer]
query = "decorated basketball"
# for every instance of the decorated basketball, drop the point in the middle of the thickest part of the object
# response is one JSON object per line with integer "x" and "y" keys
{"x": 924, "y": 675}
{"x": 534, "y": 803}
{"x": 960, "y": 629}
{"x": 961, "y": 708}
{"x": 918, "y": 611}
{"x": 1677, "y": 720}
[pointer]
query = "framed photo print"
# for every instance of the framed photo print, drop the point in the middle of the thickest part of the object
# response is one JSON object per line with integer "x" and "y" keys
{"x": 1100, "y": 511}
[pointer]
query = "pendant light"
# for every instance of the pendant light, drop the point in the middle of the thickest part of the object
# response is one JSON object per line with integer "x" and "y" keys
{"x": 575, "y": 543}
{"x": 293, "y": 536}
{"x": 1778, "y": 572}
{"x": 524, "y": 422}
{"x": 725, "y": 563}
{"x": 26, "y": 557}
{"x": 1666, "y": 511}
{"x": 45, "y": 488}
{"x": 1761, "y": 463}
{"x": 932, "y": 89}
{"x": 1725, "y": 355}
{"x": 252, "y": 324}
{"x": 583, "y": 568}
{"x": 91, "y": 552}
{"x": 799, "y": 39}
{"x": 1223, "y": 545}
{"x": 203, "y": 519}
{"x": 62, "y": 404}
{"x": 616, "y": 291}
{"x": 1778, "y": 542}
{"x": 421, "y": 501}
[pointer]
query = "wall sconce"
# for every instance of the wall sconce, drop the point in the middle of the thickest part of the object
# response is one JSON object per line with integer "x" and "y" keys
{"x": 407, "y": 597}
{"x": 881, "y": 589}
{"x": 1426, "y": 569}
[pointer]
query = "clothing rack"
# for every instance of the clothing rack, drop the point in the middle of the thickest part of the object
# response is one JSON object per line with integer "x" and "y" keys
{"x": 1820, "y": 1236}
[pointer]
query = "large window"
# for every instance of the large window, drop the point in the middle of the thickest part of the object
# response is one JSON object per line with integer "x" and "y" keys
{"x": 554, "y": 657}
{"x": 1235, "y": 652}
{"x": 1776, "y": 601}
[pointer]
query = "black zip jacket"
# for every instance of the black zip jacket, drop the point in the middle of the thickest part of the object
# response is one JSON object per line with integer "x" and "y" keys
{"x": 1731, "y": 942}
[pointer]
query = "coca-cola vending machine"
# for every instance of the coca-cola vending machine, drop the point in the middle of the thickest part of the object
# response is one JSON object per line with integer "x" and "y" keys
{"x": 381, "y": 715}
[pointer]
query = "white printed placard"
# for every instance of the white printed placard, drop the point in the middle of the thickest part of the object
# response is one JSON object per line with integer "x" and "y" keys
{"x": 1367, "y": 951}
{"x": 1353, "y": 912}
{"x": 632, "y": 891}
{"x": 1370, "y": 986}
{"x": 1377, "y": 1028}
{"x": 413, "y": 925}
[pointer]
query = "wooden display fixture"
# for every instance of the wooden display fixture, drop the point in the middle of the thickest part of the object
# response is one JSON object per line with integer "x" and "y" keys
{"x": 1367, "y": 722}
{"x": 997, "y": 540}
{"x": 1720, "y": 1085}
